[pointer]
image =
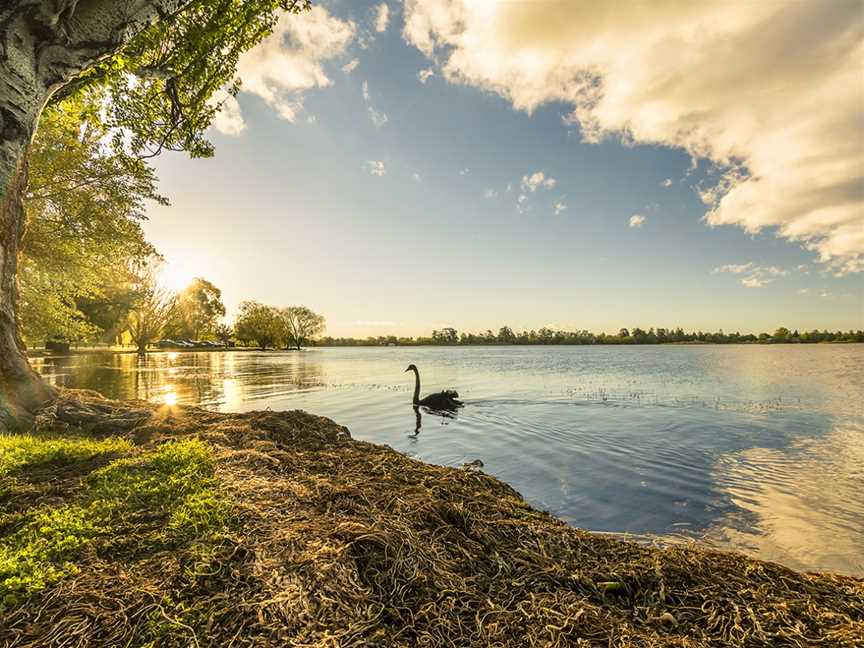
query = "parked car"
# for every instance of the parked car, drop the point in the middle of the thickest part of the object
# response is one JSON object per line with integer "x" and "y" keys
{"x": 57, "y": 346}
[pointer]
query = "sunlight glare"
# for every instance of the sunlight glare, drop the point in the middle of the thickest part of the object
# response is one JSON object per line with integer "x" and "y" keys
{"x": 170, "y": 396}
{"x": 175, "y": 277}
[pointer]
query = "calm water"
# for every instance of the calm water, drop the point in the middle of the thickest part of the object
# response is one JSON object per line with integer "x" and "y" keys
{"x": 757, "y": 448}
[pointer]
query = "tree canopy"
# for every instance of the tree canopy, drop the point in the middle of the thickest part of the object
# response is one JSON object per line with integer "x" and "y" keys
{"x": 85, "y": 203}
{"x": 164, "y": 88}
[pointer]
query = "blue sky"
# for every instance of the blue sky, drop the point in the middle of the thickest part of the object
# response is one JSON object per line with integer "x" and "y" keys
{"x": 388, "y": 210}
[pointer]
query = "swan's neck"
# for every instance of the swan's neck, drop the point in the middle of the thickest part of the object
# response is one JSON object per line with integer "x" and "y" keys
{"x": 416, "y": 386}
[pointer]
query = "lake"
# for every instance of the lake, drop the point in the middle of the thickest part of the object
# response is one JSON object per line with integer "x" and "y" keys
{"x": 754, "y": 448}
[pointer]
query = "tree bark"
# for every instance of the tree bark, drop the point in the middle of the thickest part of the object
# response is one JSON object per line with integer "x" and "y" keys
{"x": 44, "y": 44}
{"x": 22, "y": 391}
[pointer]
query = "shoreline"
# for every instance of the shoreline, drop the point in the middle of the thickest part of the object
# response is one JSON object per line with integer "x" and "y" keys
{"x": 42, "y": 353}
{"x": 333, "y": 541}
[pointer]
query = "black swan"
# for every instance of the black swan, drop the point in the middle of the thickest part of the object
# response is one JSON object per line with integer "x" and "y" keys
{"x": 442, "y": 401}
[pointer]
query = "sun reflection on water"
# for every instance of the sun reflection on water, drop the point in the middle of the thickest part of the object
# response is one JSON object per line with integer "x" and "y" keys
{"x": 170, "y": 397}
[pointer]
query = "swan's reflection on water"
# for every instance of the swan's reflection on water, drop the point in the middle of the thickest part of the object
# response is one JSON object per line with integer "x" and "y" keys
{"x": 444, "y": 415}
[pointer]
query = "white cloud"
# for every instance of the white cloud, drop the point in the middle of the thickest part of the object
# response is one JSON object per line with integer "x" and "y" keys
{"x": 739, "y": 268}
{"x": 424, "y": 75}
{"x": 350, "y": 66}
{"x": 754, "y": 282}
{"x": 757, "y": 276}
{"x": 768, "y": 91}
{"x": 291, "y": 59}
{"x": 229, "y": 120}
{"x": 375, "y": 167}
{"x": 667, "y": 182}
{"x": 803, "y": 291}
{"x": 490, "y": 193}
{"x": 636, "y": 220}
{"x": 537, "y": 180}
{"x": 382, "y": 17}
{"x": 559, "y": 206}
{"x": 311, "y": 119}
{"x": 417, "y": 177}
{"x": 522, "y": 203}
{"x": 378, "y": 118}
{"x": 465, "y": 171}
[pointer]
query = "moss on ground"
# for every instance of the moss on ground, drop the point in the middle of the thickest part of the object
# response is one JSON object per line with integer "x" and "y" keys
{"x": 274, "y": 529}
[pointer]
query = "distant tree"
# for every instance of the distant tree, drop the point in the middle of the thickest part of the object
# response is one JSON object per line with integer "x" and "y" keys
{"x": 449, "y": 335}
{"x": 506, "y": 335}
{"x": 223, "y": 333}
{"x": 261, "y": 324}
{"x": 152, "y": 310}
{"x": 302, "y": 324}
{"x": 781, "y": 333}
{"x": 199, "y": 309}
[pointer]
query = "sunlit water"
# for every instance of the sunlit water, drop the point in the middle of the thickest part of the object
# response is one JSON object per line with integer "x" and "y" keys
{"x": 756, "y": 448}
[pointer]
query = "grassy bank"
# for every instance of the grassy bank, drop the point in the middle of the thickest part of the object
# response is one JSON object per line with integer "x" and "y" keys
{"x": 133, "y": 525}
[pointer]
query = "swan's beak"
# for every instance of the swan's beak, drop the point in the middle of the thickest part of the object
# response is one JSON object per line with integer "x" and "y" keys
{"x": 406, "y": 371}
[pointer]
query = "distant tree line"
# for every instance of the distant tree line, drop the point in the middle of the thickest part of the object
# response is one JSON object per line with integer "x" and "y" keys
{"x": 506, "y": 335}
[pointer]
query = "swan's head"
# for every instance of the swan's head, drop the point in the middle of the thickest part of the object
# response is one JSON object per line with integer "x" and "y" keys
{"x": 411, "y": 367}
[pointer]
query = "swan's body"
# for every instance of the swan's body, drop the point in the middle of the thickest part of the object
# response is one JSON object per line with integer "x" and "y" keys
{"x": 447, "y": 400}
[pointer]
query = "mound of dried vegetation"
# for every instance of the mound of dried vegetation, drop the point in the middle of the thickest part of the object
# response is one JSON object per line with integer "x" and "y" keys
{"x": 133, "y": 525}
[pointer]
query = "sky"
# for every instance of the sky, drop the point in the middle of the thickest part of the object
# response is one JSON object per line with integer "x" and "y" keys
{"x": 404, "y": 166}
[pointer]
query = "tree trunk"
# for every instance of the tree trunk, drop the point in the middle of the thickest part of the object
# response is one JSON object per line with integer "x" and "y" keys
{"x": 43, "y": 46}
{"x": 22, "y": 391}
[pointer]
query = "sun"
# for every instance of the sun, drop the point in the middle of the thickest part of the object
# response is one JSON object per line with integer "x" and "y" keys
{"x": 175, "y": 277}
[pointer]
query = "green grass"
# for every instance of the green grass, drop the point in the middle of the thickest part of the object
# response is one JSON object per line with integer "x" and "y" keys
{"x": 22, "y": 452}
{"x": 174, "y": 484}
